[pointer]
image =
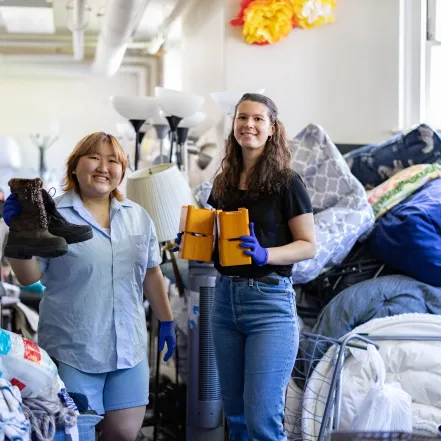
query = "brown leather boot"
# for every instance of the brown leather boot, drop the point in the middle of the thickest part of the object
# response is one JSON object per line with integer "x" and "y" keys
{"x": 28, "y": 231}
{"x": 58, "y": 226}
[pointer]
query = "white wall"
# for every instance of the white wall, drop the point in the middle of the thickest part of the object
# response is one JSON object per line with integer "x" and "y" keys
{"x": 203, "y": 59}
{"x": 203, "y": 69}
{"x": 343, "y": 76}
{"x": 80, "y": 104}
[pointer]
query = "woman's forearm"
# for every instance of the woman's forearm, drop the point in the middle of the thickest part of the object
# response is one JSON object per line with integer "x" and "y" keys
{"x": 155, "y": 292}
{"x": 26, "y": 271}
{"x": 291, "y": 253}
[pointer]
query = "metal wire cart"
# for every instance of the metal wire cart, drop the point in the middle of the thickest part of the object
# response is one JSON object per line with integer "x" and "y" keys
{"x": 306, "y": 381}
{"x": 314, "y": 396}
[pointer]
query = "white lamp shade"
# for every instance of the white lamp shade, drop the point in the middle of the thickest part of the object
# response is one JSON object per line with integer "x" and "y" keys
{"x": 202, "y": 128}
{"x": 162, "y": 190}
{"x": 228, "y": 100}
{"x": 177, "y": 103}
{"x": 135, "y": 107}
{"x": 193, "y": 120}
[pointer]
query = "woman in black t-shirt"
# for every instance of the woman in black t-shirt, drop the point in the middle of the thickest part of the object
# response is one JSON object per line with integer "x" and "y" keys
{"x": 253, "y": 321}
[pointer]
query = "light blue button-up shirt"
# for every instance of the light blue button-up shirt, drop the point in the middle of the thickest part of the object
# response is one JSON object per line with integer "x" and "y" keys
{"x": 91, "y": 315}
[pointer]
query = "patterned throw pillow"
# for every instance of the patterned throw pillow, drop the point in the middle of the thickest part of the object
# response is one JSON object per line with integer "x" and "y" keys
{"x": 375, "y": 163}
{"x": 341, "y": 210}
{"x": 326, "y": 174}
{"x": 399, "y": 187}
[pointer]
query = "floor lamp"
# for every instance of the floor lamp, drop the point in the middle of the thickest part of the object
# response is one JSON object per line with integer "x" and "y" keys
{"x": 137, "y": 110}
{"x": 228, "y": 100}
{"x": 43, "y": 144}
{"x": 182, "y": 133}
{"x": 177, "y": 105}
{"x": 162, "y": 190}
{"x": 162, "y": 129}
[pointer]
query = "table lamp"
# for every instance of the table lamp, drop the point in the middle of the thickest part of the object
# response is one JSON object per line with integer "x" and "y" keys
{"x": 162, "y": 190}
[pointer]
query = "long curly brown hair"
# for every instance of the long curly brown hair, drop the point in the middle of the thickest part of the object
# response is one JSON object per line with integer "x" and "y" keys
{"x": 273, "y": 168}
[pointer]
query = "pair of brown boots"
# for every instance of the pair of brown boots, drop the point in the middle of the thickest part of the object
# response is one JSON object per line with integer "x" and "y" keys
{"x": 39, "y": 229}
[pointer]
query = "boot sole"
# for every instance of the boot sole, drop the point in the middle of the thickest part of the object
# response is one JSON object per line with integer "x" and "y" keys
{"x": 25, "y": 252}
{"x": 76, "y": 238}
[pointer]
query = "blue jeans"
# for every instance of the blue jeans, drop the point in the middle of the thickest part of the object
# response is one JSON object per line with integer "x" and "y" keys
{"x": 255, "y": 336}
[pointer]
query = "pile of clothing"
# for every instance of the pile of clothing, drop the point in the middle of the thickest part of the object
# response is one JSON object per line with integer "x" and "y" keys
{"x": 34, "y": 404}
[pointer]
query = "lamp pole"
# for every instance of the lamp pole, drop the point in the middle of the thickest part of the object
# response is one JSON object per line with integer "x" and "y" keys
{"x": 137, "y": 123}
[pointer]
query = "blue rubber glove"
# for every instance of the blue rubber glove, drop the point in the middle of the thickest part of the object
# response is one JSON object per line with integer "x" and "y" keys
{"x": 178, "y": 241}
{"x": 167, "y": 335}
{"x": 11, "y": 208}
{"x": 257, "y": 252}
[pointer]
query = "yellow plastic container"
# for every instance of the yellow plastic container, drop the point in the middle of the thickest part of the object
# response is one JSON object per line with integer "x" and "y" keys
{"x": 197, "y": 229}
{"x": 197, "y": 220}
{"x": 194, "y": 247}
{"x": 231, "y": 253}
{"x": 232, "y": 225}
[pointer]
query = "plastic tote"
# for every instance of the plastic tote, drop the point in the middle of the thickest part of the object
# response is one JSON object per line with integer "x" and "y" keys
{"x": 86, "y": 428}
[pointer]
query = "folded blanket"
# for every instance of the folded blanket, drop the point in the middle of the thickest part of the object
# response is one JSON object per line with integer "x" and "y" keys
{"x": 13, "y": 423}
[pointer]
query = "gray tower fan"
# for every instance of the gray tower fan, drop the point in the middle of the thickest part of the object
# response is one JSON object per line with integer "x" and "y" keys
{"x": 205, "y": 419}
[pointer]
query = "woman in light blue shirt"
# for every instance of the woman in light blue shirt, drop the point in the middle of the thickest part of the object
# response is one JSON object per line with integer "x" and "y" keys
{"x": 92, "y": 319}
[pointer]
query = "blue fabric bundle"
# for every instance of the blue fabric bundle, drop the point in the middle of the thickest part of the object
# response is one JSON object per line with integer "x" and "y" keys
{"x": 408, "y": 237}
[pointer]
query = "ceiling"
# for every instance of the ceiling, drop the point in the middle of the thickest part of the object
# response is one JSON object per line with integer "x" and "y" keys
{"x": 44, "y": 26}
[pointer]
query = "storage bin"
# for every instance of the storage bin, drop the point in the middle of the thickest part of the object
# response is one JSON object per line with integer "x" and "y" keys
{"x": 86, "y": 428}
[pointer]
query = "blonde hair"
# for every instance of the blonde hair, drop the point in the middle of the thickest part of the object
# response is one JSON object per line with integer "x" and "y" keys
{"x": 90, "y": 144}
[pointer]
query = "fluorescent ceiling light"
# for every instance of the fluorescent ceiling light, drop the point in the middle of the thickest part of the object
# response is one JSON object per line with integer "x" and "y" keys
{"x": 28, "y": 20}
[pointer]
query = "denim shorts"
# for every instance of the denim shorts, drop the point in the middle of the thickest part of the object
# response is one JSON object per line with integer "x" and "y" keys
{"x": 117, "y": 390}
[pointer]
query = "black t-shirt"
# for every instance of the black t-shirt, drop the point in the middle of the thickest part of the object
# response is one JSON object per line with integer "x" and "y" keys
{"x": 270, "y": 214}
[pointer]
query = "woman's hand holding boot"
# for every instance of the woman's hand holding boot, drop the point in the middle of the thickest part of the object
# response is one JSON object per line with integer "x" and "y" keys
{"x": 26, "y": 271}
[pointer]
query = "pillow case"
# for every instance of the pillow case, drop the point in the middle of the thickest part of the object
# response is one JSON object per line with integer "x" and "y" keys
{"x": 400, "y": 186}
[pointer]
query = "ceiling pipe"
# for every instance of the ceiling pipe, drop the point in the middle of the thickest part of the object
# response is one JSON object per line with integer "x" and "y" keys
{"x": 155, "y": 43}
{"x": 78, "y": 26}
{"x": 119, "y": 24}
{"x": 177, "y": 11}
{"x": 60, "y": 42}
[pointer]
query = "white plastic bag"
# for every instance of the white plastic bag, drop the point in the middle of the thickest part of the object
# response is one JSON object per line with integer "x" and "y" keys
{"x": 386, "y": 407}
{"x": 27, "y": 366}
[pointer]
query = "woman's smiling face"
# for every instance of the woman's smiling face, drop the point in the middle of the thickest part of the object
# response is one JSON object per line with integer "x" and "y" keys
{"x": 99, "y": 173}
{"x": 252, "y": 125}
